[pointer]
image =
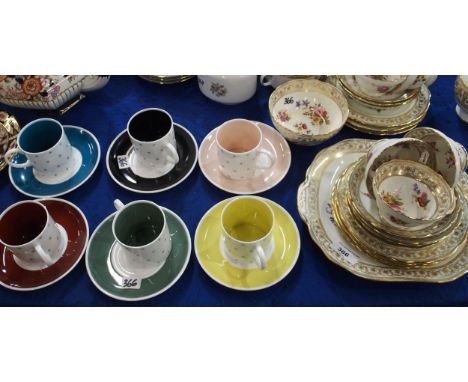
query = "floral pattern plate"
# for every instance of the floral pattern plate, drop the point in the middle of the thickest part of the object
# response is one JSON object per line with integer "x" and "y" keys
{"x": 314, "y": 204}
{"x": 441, "y": 251}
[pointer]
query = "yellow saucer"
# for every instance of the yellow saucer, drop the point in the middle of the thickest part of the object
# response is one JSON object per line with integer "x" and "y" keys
{"x": 285, "y": 255}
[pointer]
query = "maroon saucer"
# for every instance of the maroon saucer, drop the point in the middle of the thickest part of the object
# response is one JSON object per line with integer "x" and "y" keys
{"x": 71, "y": 218}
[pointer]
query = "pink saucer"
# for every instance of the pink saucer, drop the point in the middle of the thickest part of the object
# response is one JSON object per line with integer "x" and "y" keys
{"x": 273, "y": 141}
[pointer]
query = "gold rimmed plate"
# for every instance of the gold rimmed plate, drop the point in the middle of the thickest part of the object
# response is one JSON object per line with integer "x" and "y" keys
{"x": 398, "y": 255}
{"x": 314, "y": 205}
{"x": 352, "y": 91}
{"x": 365, "y": 210}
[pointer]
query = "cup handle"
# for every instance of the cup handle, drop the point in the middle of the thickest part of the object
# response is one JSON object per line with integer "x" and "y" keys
{"x": 16, "y": 150}
{"x": 271, "y": 159}
{"x": 260, "y": 257}
{"x": 266, "y": 80}
{"x": 174, "y": 157}
{"x": 43, "y": 255}
{"x": 118, "y": 204}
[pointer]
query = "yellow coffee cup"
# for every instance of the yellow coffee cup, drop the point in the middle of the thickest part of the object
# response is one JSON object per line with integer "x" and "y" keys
{"x": 247, "y": 223}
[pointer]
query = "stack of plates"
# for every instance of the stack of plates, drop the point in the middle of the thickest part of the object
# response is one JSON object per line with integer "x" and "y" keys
{"x": 344, "y": 221}
{"x": 167, "y": 80}
{"x": 384, "y": 117}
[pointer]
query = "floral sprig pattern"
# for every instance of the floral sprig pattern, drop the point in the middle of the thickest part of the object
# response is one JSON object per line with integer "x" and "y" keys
{"x": 393, "y": 201}
{"x": 316, "y": 113}
{"x": 219, "y": 90}
{"x": 420, "y": 197}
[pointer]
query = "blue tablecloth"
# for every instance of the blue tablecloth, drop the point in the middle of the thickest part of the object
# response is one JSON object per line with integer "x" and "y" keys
{"x": 314, "y": 281}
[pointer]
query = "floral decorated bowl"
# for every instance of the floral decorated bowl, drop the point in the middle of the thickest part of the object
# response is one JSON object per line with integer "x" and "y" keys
{"x": 308, "y": 112}
{"x": 9, "y": 129}
{"x": 47, "y": 92}
{"x": 410, "y": 194}
{"x": 386, "y": 150}
{"x": 461, "y": 95}
{"x": 450, "y": 156}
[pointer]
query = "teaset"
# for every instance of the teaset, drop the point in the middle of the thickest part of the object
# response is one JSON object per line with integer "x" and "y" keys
{"x": 394, "y": 209}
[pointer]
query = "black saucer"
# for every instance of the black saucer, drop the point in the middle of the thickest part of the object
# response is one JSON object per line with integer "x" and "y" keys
{"x": 186, "y": 148}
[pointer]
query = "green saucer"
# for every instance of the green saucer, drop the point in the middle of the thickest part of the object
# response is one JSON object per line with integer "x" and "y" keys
{"x": 109, "y": 282}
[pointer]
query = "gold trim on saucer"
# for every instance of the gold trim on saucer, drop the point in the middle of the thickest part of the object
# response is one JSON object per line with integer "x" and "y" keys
{"x": 442, "y": 193}
{"x": 405, "y": 98}
{"x": 314, "y": 204}
{"x": 398, "y": 255}
{"x": 408, "y": 237}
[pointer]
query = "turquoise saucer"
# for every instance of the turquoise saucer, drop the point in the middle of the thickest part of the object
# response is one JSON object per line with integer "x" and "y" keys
{"x": 25, "y": 182}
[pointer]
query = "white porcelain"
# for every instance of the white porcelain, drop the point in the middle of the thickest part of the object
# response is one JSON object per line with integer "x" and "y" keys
{"x": 240, "y": 151}
{"x": 47, "y": 92}
{"x": 410, "y": 194}
{"x": 276, "y": 80}
{"x": 228, "y": 89}
{"x": 55, "y": 161}
{"x": 245, "y": 211}
{"x": 93, "y": 83}
{"x": 450, "y": 156}
{"x": 153, "y": 155}
{"x": 388, "y": 87}
{"x": 395, "y": 148}
{"x": 308, "y": 112}
{"x": 145, "y": 260}
{"x": 47, "y": 247}
{"x": 413, "y": 211}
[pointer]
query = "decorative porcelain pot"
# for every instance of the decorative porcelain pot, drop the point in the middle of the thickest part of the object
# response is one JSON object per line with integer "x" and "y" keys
{"x": 229, "y": 90}
{"x": 461, "y": 95}
{"x": 47, "y": 92}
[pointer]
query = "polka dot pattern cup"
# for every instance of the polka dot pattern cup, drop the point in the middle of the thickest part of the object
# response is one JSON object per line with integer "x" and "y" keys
{"x": 143, "y": 238}
{"x": 247, "y": 223}
{"x": 47, "y": 149}
{"x": 240, "y": 155}
{"x": 154, "y": 144}
{"x": 28, "y": 230}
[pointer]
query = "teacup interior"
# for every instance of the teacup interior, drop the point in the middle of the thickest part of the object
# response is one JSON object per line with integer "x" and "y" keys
{"x": 22, "y": 223}
{"x": 139, "y": 224}
{"x": 40, "y": 136}
{"x": 149, "y": 125}
{"x": 247, "y": 219}
{"x": 238, "y": 136}
{"x": 408, "y": 196}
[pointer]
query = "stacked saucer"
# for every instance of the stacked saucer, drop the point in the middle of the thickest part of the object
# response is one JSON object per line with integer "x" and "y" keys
{"x": 167, "y": 80}
{"x": 410, "y": 224}
{"x": 385, "y": 105}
